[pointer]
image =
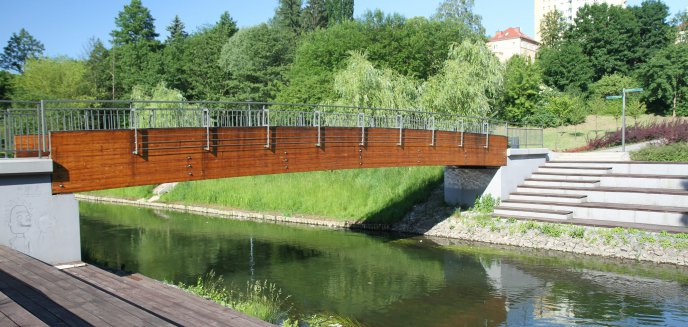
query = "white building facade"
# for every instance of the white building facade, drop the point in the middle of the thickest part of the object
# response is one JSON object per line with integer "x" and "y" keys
{"x": 567, "y": 7}
{"x": 510, "y": 42}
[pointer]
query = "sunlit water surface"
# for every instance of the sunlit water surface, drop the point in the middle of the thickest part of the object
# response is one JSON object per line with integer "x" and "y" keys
{"x": 386, "y": 279}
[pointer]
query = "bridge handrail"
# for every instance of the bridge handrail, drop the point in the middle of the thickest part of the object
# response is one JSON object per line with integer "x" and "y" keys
{"x": 26, "y": 125}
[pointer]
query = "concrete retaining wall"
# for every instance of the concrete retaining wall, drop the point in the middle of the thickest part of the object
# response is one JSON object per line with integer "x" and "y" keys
{"x": 32, "y": 220}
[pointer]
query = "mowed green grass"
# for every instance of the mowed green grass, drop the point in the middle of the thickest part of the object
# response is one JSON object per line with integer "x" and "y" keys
{"x": 129, "y": 193}
{"x": 569, "y": 137}
{"x": 372, "y": 195}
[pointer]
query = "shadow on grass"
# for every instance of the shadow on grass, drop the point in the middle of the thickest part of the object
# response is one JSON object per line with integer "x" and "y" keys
{"x": 396, "y": 210}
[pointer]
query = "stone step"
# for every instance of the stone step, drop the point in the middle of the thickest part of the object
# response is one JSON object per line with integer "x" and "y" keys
{"x": 561, "y": 182}
{"x": 640, "y": 214}
{"x": 548, "y": 197}
{"x": 506, "y": 211}
{"x": 571, "y": 177}
{"x": 623, "y": 180}
{"x": 575, "y": 170}
{"x": 592, "y": 156}
{"x": 618, "y": 195}
{"x": 629, "y": 167}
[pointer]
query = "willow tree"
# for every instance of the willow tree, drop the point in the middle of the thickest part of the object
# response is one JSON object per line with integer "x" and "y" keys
{"x": 362, "y": 84}
{"x": 468, "y": 84}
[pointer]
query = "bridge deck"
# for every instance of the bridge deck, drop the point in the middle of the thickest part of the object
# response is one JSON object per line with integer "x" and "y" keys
{"x": 36, "y": 294}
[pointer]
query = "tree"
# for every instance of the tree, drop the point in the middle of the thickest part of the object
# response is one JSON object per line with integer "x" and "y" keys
{"x": 552, "y": 27}
{"x": 416, "y": 48}
{"x": 98, "y": 69}
{"x": 176, "y": 30}
{"x": 20, "y": 48}
{"x": 565, "y": 67}
{"x": 522, "y": 82}
{"x": 257, "y": 58}
{"x": 173, "y": 56}
{"x": 655, "y": 32}
{"x": 460, "y": 11}
{"x": 339, "y": 11}
{"x": 665, "y": 79}
{"x": 134, "y": 56}
{"x": 288, "y": 15}
{"x": 613, "y": 85}
{"x": 134, "y": 24}
{"x": 608, "y": 36}
{"x": 361, "y": 84}
{"x": 468, "y": 84}
{"x": 314, "y": 15}
{"x": 58, "y": 78}
{"x": 206, "y": 79}
{"x": 6, "y": 87}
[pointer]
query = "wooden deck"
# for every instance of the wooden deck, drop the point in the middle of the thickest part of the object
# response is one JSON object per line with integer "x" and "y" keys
{"x": 33, "y": 293}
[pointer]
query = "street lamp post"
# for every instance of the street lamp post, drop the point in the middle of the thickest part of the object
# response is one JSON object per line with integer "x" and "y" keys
{"x": 623, "y": 112}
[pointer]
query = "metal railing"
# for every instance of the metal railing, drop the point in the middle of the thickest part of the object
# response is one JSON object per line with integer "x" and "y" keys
{"x": 26, "y": 126}
{"x": 525, "y": 137}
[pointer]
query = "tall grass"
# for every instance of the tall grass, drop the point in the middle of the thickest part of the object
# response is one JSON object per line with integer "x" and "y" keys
{"x": 371, "y": 195}
{"x": 131, "y": 193}
{"x": 259, "y": 299}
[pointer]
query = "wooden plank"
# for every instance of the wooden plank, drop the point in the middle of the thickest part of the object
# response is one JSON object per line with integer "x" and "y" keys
{"x": 12, "y": 314}
{"x": 90, "y": 160}
{"x": 175, "y": 303}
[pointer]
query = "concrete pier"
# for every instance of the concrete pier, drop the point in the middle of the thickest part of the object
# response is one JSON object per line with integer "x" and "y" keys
{"x": 34, "y": 221}
{"x": 462, "y": 185}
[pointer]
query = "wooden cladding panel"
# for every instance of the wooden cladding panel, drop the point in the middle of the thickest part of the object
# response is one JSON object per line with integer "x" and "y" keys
{"x": 93, "y": 160}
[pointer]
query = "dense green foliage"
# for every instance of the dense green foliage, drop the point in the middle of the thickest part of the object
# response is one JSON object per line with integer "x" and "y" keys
{"x": 522, "y": 81}
{"x": 371, "y": 195}
{"x": 53, "y": 78}
{"x": 676, "y": 152}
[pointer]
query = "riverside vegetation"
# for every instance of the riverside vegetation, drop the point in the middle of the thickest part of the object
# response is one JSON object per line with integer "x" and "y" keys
{"x": 261, "y": 299}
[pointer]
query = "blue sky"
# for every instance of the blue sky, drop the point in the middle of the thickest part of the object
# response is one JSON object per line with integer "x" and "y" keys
{"x": 65, "y": 26}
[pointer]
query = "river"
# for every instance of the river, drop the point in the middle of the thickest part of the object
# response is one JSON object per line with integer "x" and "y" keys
{"x": 384, "y": 279}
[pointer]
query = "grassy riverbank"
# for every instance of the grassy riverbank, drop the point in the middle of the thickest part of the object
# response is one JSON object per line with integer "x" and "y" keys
{"x": 371, "y": 195}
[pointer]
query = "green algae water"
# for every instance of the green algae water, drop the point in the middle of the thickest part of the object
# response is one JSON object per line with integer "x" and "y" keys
{"x": 387, "y": 279}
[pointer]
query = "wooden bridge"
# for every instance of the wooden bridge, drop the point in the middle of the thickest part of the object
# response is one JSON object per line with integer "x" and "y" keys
{"x": 110, "y": 144}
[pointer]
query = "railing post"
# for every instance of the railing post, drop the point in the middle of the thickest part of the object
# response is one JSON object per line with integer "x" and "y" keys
{"x": 266, "y": 123}
{"x": 316, "y": 122}
{"x": 41, "y": 145}
{"x": 206, "y": 124}
{"x": 400, "y": 124}
{"x": 462, "y": 129}
{"x": 134, "y": 125}
{"x": 486, "y": 126}
{"x": 5, "y": 132}
{"x": 361, "y": 123}
{"x": 432, "y": 142}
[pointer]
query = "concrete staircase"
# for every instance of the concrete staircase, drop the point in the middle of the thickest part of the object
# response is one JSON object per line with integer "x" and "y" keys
{"x": 602, "y": 187}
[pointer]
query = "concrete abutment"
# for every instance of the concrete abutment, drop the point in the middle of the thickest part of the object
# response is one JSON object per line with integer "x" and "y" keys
{"x": 33, "y": 220}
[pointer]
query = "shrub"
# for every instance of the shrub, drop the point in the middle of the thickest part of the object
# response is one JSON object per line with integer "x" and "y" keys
{"x": 677, "y": 152}
{"x": 485, "y": 204}
{"x": 669, "y": 132}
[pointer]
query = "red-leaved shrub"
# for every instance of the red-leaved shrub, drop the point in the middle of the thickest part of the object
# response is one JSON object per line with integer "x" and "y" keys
{"x": 667, "y": 132}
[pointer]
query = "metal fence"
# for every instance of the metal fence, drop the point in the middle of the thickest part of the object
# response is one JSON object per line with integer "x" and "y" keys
{"x": 525, "y": 137}
{"x": 26, "y": 126}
